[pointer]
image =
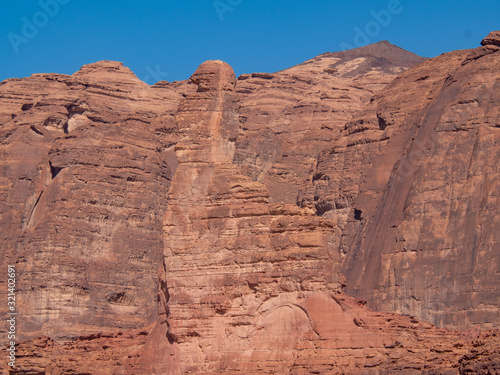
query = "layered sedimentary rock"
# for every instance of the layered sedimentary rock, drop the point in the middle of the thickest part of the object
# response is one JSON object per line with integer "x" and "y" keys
{"x": 418, "y": 173}
{"x": 349, "y": 339}
{"x": 289, "y": 117}
{"x": 78, "y": 153}
{"x": 235, "y": 301}
{"x": 493, "y": 39}
{"x": 242, "y": 275}
{"x": 204, "y": 213}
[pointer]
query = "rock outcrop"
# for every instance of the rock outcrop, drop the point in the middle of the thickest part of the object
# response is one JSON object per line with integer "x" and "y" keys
{"x": 219, "y": 225}
{"x": 78, "y": 154}
{"x": 417, "y": 172}
{"x": 237, "y": 298}
{"x": 492, "y": 39}
{"x": 346, "y": 338}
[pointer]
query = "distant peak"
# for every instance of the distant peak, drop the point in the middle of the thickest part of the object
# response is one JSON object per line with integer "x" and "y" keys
{"x": 385, "y": 42}
{"x": 382, "y": 45}
{"x": 383, "y": 53}
{"x": 375, "y": 49}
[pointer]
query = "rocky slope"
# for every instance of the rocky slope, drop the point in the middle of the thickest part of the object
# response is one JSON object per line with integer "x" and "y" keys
{"x": 347, "y": 339}
{"x": 214, "y": 225}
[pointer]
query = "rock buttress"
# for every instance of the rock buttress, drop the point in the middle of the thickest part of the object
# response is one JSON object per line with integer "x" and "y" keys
{"x": 244, "y": 277}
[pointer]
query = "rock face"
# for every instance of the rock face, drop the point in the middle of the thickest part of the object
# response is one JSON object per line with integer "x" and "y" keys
{"x": 78, "y": 153}
{"x": 236, "y": 298}
{"x": 289, "y": 117}
{"x": 421, "y": 181}
{"x": 215, "y": 225}
{"x": 347, "y": 338}
{"x": 493, "y": 39}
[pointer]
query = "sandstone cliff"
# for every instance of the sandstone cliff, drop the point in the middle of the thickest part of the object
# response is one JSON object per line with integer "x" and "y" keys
{"x": 78, "y": 154}
{"x": 421, "y": 234}
{"x": 214, "y": 225}
{"x": 289, "y": 117}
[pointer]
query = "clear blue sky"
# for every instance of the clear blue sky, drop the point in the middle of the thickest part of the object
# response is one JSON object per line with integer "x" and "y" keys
{"x": 154, "y": 38}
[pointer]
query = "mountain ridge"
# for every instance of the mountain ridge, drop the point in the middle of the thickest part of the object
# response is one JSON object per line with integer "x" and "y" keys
{"x": 215, "y": 224}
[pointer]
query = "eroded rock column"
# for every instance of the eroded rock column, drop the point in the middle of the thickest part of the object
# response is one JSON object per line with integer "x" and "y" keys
{"x": 248, "y": 283}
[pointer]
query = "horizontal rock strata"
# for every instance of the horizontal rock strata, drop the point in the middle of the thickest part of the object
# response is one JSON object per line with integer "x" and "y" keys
{"x": 340, "y": 216}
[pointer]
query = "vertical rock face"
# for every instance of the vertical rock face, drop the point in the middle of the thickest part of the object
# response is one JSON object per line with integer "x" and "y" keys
{"x": 422, "y": 237}
{"x": 236, "y": 298}
{"x": 78, "y": 153}
{"x": 225, "y": 218}
{"x": 439, "y": 244}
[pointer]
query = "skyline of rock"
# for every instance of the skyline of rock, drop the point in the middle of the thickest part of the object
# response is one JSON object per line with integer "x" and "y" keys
{"x": 236, "y": 225}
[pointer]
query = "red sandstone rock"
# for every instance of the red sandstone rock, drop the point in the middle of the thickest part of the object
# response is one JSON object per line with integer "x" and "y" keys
{"x": 493, "y": 39}
{"x": 338, "y": 336}
{"x": 172, "y": 208}
{"x": 78, "y": 153}
{"x": 414, "y": 179}
{"x": 236, "y": 297}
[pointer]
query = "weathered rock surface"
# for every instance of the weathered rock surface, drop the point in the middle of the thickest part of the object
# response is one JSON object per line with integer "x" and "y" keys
{"x": 493, "y": 39}
{"x": 78, "y": 154}
{"x": 289, "y": 117}
{"x": 205, "y": 214}
{"x": 346, "y": 338}
{"x": 417, "y": 172}
{"x": 241, "y": 273}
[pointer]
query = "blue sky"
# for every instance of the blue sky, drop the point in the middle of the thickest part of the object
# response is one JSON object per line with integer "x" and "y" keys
{"x": 169, "y": 39}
